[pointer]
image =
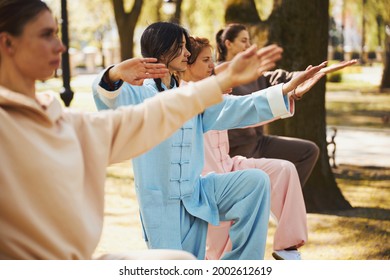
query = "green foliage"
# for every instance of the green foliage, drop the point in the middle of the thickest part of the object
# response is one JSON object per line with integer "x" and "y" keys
{"x": 203, "y": 18}
{"x": 264, "y": 8}
{"x": 150, "y": 13}
{"x": 88, "y": 20}
{"x": 375, "y": 13}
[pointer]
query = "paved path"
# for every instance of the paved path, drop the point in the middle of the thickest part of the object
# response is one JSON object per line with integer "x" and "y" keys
{"x": 362, "y": 146}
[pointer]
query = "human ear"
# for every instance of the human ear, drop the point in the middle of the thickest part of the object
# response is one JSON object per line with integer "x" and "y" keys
{"x": 228, "y": 43}
{"x": 5, "y": 42}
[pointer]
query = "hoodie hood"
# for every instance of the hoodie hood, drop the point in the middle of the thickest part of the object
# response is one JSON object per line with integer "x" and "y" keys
{"x": 45, "y": 107}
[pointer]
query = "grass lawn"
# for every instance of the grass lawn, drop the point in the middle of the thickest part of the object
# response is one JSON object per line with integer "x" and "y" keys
{"x": 357, "y": 100}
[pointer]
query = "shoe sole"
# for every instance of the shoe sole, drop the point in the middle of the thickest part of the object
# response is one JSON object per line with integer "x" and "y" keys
{"x": 277, "y": 257}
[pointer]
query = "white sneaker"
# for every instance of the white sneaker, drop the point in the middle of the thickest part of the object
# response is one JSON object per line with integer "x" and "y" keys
{"x": 287, "y": 255}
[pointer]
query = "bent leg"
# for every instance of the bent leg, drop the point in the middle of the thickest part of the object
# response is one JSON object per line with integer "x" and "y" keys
{"x": 243, "y": 197}
{"x": 302, "y": 153}
{"x": 287, "y": 203}
{"x": 218, "y": 241}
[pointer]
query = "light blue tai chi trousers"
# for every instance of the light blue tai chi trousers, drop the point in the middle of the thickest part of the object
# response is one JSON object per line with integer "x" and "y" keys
{"x": 242, "y": 197}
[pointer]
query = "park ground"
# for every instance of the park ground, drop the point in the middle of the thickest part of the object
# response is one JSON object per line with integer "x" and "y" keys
{"x": 361, "y": 233}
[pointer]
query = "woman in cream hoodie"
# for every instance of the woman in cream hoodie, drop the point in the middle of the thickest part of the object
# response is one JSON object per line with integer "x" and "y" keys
{"x": 53, "y": 162}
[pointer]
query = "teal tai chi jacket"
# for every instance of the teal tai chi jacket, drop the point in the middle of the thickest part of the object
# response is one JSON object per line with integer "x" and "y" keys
{"x": 167, "y": 178}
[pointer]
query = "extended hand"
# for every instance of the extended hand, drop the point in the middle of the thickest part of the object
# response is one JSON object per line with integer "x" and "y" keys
{"x": 250, "y": 64}
{"x": 305, "y": 80}
{"x": 135, "y": 70}
{"x": 338, "y": 66}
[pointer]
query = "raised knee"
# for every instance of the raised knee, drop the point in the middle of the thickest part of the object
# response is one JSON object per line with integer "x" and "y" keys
{"x": 259, "y": 178}
{"x": 313, "y": 149}
{"x": 287, "y": 166}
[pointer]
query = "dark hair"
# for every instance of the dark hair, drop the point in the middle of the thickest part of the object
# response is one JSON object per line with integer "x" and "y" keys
{"x": 163, "y": 39}
{"x": 197, "y": 45}
{"x": 15, "y": 14}
{"x": 229, "y": 33}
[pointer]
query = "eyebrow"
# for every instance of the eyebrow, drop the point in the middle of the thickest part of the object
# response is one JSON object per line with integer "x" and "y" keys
{"x": 50, "y": 29}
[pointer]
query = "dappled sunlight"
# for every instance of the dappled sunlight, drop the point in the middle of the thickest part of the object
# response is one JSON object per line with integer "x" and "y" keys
{"x": 357, "y": 234}
{"x": 333, "y": 237}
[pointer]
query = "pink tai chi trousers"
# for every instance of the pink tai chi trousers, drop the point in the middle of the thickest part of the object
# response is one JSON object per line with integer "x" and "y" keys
{"x": 287, "y": 206}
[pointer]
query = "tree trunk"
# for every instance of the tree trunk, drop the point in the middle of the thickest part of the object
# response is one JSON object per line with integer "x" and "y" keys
{"x": 385, "y": 84}
{"x": 301, "y": 28}
{"x": 177, "y": 15}
{"x": 242, "y": 11}
{"x": 126, "y": 23}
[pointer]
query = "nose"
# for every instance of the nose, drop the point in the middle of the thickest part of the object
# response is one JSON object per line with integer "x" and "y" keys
{"x": 187, "y": 53}
{"x": 60, "y": 46}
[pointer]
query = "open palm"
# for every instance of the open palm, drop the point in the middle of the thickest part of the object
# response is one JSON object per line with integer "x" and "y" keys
{"x": 305, "y": 80}
{"x": 251, "y": 64}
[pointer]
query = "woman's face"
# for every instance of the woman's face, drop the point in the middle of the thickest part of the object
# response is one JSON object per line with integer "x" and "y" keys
{"x": 203, "y": 65}
{"x": 239, "y": 44}
{"x": 37, "y": 51}
{"x": 179, "y": 63}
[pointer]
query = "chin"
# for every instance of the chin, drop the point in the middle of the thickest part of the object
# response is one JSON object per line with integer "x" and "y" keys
{"x": 47, "y": 76}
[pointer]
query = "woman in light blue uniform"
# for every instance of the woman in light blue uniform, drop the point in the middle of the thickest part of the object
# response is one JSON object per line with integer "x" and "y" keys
{"x": 176, "y": 203}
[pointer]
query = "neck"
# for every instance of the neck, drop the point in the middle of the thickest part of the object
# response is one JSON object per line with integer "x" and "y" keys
{"x": 188, "y": 77}
{"x": 17, "y": 83}
{"x": 166, "y": 80}
{"x": 229, "y": 57}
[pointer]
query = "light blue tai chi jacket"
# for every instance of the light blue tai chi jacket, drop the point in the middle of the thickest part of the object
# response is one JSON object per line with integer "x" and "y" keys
{"x": 167, "y": 178}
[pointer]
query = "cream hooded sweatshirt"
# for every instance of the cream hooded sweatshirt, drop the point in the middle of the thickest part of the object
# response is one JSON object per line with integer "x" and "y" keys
{"x": 53, "y": 165}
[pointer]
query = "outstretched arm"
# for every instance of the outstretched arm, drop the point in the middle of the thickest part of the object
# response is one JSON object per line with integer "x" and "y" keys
{"x": 247, "y": 66}
{"x": 303, "y": 81}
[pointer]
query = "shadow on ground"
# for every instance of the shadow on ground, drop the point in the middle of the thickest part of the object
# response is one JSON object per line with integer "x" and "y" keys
{"x": 360, "y": 233}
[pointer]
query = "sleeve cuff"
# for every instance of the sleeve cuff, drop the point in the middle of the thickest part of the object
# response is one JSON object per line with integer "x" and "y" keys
{"x": 279, "y": 103}
{"x": 109, "y": 90}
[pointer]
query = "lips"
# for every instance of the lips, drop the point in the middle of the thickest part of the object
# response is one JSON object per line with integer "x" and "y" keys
{"x": 55, "y": 63}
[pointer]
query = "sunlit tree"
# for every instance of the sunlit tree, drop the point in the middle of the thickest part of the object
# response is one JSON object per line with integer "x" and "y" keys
{"x": 301, "y": 28}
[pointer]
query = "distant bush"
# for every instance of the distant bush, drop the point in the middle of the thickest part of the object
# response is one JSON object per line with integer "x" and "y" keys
{"x": 338, "y": 55}
{"x": 335, "y": 77}
{"x": 371, "y": 55}
{"x": 355, "y": 55}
